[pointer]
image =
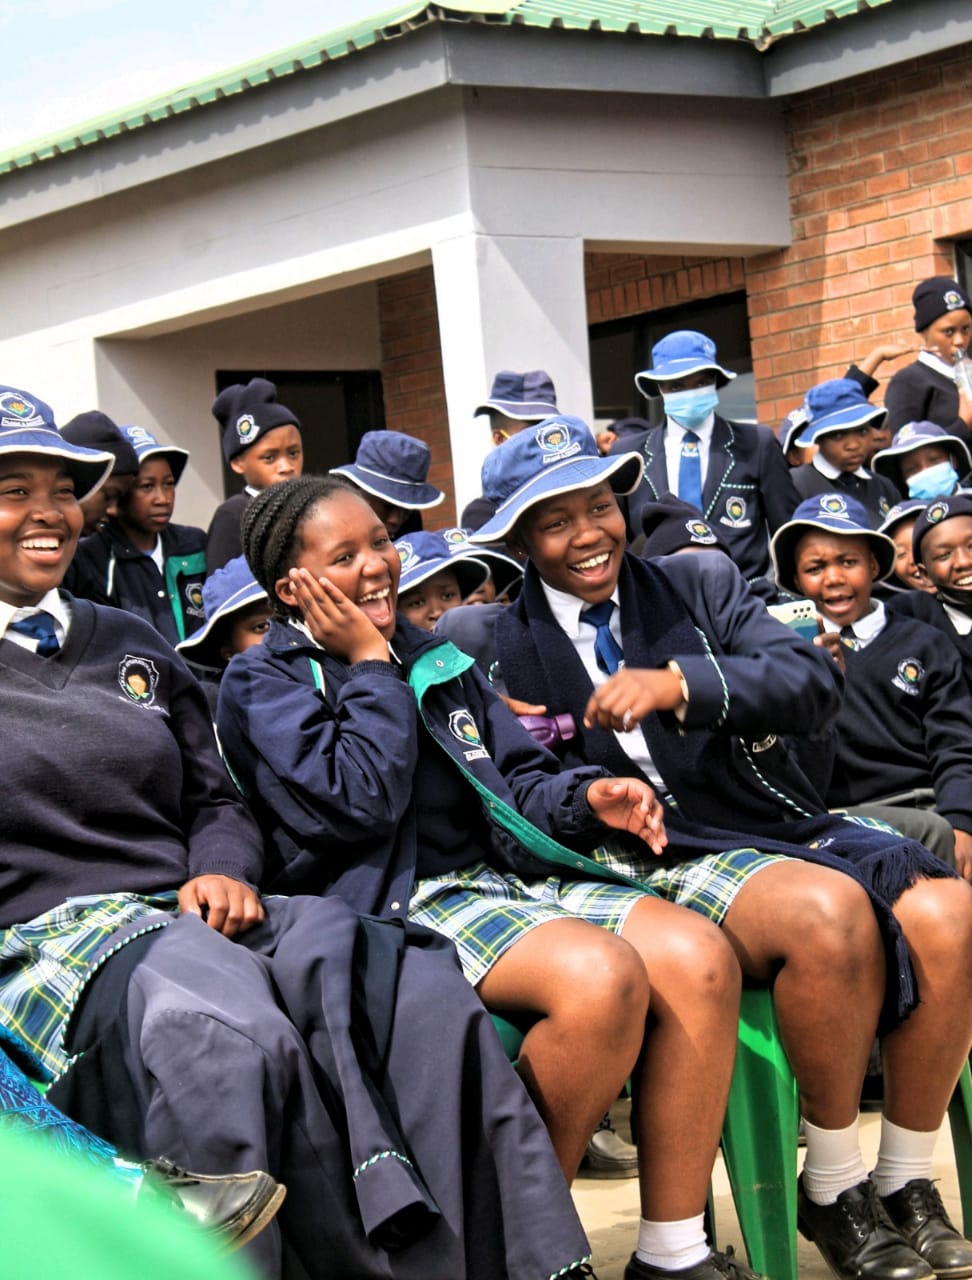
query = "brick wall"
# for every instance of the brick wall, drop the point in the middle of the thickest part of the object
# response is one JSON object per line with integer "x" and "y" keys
{"x": 880, "y": 173}
{"x": 411, "y": 371}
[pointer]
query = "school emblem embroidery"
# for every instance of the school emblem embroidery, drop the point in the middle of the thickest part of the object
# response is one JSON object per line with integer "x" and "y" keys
{"x": 16, "y": 411}
{"x": 736, "y": 517}
{"x": 463, "y": 728}
{"x": 138, "y": 435}
{"x": 555, "y": 442}
{"x": 884, "y": 506}
{"x": 910, "y": 673}
{"x": 699, "y": 531}
{"x": 138, "y": 679}
{"x": 455, "y": 539}
{"x": 194, "y": 598}
{"x": 832, "y": 504}
{"x": 246, "y": 428}
{"x": 407, "y": 555}
{"x": 937, "y": 511}
{"x": 954, "y": 301}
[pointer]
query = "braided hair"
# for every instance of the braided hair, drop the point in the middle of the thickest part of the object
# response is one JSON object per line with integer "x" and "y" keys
{"x": 271, "y": 528}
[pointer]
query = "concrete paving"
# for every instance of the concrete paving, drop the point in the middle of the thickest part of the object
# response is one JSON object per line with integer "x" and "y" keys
{"x": 609, "y": 1208}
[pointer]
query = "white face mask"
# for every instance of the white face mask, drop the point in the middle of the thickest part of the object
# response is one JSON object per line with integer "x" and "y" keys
{"x": 934, "y": 482}
{"x": 690, "y": 408}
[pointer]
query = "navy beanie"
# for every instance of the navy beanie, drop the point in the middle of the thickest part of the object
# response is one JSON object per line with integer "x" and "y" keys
{"x": 246, "y": 413}
{"x": 670, "y": 525}
{"x": 936, "y": 297}
{"x": 95, "y": 430}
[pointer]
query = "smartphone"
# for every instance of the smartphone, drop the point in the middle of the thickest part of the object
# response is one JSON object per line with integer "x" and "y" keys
{"x": 801, "y": 615}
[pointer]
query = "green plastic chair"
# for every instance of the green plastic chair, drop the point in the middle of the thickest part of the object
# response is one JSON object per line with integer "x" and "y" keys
{"x": 759, "y": 1137}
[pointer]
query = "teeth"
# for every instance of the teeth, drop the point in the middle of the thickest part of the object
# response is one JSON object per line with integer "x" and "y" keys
{"x": 41, "y": 544}
{"x": 594, "y": 562}
{"x": 375, "y": 595}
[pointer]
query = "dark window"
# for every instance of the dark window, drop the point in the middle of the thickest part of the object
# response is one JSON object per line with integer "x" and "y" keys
{"x": 335, "y": 410}
{"x": 620, "y": 348}
{"x": 963, "y": 264}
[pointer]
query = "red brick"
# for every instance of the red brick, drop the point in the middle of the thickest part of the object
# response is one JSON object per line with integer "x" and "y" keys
{"x": 887, "y": 184}
{"x": 934, "y": 171}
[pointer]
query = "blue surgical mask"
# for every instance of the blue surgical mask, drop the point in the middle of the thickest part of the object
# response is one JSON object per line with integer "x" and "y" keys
{"x": 934, "y": 482}
{"x": 690, "y": 408}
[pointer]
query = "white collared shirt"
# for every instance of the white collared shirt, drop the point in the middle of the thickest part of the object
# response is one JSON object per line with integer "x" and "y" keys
{"x": 960, "y": 621}
{"x": 52, "y": 603}
{"x": 935, "y": 362}
{"x": 567, "y": 610}
{"x": 831, "y": 472}
{"x": 674, "y": 434}
{"x": 870, "y": 626}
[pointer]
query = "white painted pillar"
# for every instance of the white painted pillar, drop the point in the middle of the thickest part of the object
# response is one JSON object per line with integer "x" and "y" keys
{"x": 507, "y": 302}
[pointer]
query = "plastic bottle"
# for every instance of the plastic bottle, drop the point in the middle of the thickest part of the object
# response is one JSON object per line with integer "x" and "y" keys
{"x": 963, "y": 373}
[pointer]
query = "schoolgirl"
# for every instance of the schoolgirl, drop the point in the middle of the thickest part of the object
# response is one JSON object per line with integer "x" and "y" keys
{"x": 927, "y": 390}
{"x": 384, "y": 769}
{"x": 923, "y": 461}
{"x": 703, "y": 682}
{"x": 182, "y": 1015}
{"x": 141, "y": 561}
{"x": 391, "y": 470}
{"x": 262, "y": 443}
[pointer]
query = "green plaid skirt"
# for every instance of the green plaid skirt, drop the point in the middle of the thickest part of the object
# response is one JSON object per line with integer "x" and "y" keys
{"x": 484, "y": 911}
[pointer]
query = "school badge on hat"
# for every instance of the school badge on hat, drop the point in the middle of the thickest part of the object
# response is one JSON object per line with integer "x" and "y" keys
{"x": 937, "y": 511}
{"x": 833, "y": 504}
{"x": 246, "y": 428}
{"x": 699, "y": 531}
{"x": 17, "y": 411}
{"x": 555, "y": 441}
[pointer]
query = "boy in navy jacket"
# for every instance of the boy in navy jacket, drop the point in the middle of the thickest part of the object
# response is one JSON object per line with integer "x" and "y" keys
{"x": 733, "y": 473}
{"x": 905, "y": 723}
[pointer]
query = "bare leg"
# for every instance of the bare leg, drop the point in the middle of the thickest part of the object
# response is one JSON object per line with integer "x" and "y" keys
{"x": 812, "y": 932}
{"x": 590, "y": 991}
{"x": 923, "y": 1057}
{"x": 685, "y": 1070}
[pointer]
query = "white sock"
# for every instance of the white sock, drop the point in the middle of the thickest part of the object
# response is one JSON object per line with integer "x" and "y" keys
{"x": 670, "y": 1246}
{"x": 903, "y": 1154}
{"x": 834, "y": 1162}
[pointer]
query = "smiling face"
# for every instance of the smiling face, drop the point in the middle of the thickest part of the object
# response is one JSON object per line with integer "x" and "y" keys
{"x": 147, "y": 507}
{"x": 425, "y": 604}
{"x": 40, "y": 522}
{"x": 836, "y": 571}
{"x": 946, "y": 553}
{"x": 277, "y": 455}
{"x": 905, "y": 568}
{"x": 576, "y": 541}
{"x": 341, "y": 539}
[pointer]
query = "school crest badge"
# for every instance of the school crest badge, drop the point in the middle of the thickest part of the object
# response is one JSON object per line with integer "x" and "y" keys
{"x": 736, "y": 516}
{"x": 555, "y": 442}
{"x": 194, "y": 599}
{"x": 17, "y": 411}
{"x": 138, "y": 679}
{"x": 937, "y": 511}
{"x": 832, "y": 504}
{"x": 463, "y": 728}
{"x": 246, "y": 428}
{"x": 909, "y": 676}
{"x": 407, "y": 555}
{"x": 699, "y": 532}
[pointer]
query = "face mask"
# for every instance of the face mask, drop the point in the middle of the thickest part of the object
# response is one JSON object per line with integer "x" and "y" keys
{"x": 691, "y": 408}
{"x": 934, "y": 482}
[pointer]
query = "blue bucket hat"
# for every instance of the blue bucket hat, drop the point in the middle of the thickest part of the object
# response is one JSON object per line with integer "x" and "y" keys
{"x": 504, "y": 569}
{"x": 915, "y": 435}
{"x": 27, "y": 426}
{"x": 555, "y": 456}
{"x": 425, "y": 554}
{"x": 395, "y": 467}
{"x": 528, "y": 396}
{"x": 790, "y": 427}
{"x": 901, "y": 511}
{"x": 833, "y": 513}
{"x": 837, "y": 405}
{"x": 147, "y": 446}
{"x": 226, "y": 591}
{"x": 676, "y": 356}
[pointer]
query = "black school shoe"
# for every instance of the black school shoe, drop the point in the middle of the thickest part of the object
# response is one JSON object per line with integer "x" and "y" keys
{"x": 717, "y": 1266}
{"x": 918, "y": 1213}
{"x": 231, "y": 1208}
{"x": 856, "y": 1237}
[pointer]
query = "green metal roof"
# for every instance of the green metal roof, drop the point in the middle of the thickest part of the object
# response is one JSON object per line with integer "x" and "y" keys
{"x": 759, "y": 22}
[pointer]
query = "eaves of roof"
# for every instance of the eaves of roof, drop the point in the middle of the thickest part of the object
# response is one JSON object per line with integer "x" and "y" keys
{"x": 760, "y": 23}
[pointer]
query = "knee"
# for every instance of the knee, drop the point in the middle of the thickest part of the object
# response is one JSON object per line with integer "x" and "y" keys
{"x": 697, "y": 958}
{"x": 936, "y": 917}
{"x": 604, "y": 980}
{"x": 838, "y": 926}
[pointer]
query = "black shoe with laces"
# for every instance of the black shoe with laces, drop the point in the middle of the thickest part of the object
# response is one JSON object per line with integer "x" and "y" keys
{"x": 232, "y": 1207}
{"x": 918, "y": 1213}
{"x": 856, "y": 1237}
{"x": 608, "y": 1155}
{"x": 717, "y": 1266}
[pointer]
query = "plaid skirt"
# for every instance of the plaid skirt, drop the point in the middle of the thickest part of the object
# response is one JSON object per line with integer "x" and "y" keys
{"x": 484, "y": 911}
